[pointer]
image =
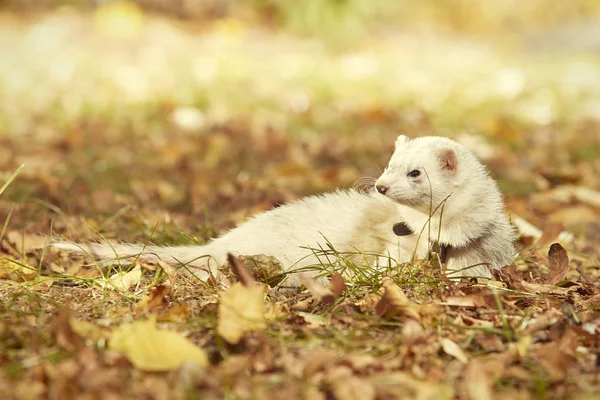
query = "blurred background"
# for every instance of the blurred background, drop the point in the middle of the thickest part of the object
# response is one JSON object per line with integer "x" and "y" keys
{"x": 166, "y": 116}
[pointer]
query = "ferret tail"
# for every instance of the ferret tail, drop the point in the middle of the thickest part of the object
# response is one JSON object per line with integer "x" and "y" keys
{"x": 197, "y": 258}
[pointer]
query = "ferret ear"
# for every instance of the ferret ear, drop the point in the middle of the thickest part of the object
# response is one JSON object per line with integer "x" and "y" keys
{"x": 401, "y": 140}
{"x": 448, "y": 160}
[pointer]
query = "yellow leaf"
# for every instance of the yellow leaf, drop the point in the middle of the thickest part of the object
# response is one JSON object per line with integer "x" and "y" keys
{"x": 241, "y": 310}
{"x": 15, "y": 271}
{"x": 151, "y": 349}
{"x": 124, "y": 280}
{"x": 523, "y": 345}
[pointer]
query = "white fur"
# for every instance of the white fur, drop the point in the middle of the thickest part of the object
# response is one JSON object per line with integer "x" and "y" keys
{"x": 473, "y": 221}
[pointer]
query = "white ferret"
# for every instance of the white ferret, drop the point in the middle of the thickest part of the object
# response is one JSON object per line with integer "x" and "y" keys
{"x": 433, "y": 185}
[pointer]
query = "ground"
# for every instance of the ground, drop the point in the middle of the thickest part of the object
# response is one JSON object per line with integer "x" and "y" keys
{"x": 135, "y": 123}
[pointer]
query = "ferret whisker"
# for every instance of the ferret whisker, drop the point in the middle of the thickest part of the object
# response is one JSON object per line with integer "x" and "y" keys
{"x": 364, "y": 184}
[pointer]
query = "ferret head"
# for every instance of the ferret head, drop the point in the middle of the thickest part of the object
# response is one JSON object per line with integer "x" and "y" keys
{"x": 424, "y": 172}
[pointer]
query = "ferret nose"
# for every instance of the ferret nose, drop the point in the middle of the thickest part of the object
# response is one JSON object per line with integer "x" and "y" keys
{"x": 382, "y": 188}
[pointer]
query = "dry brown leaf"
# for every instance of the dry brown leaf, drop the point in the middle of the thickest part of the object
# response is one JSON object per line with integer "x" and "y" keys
{"x": 558, "y": 263}
{"x": 554, "y": 360}
{"x": 240, "y": 270}
{"x": 489, "y": 342}
{"x": 478, "y": 384}
{"x": 264, "y": 268}
{"x": 451, "y": 348}
{"x": 367, "y": 303}
{"x": 394, "y": 302}
{"x": 155, "y": 300}
{"x": 543, "y": 321}
{"x": 540, "y": 288}
{"x": 318, "y": 291}
{"x": 151, "y": 349}
{"x": 468, "y": 321}
{"x": 338, "y": 286}
{"x": 241, "y": 310}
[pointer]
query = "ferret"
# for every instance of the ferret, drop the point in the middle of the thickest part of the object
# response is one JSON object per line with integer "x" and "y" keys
{"x": 434, "y": 187}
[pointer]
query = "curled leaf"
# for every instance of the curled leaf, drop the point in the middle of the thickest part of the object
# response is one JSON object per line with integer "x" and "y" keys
{"x": 394, "y": 302}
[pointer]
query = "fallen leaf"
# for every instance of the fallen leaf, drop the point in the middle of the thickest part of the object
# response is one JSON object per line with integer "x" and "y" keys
{"x": 88, "y": 330}
{"x": 412, "y": 329}
{"x": 477, "y": 382}
{"x": 338, "y": 286}
{"x": 558, "y": 263}
{"x": 350, "y": 387}
{"x": 368, "y": 302}
{"x": 451, "y": 348}
{"x": 318, "y": 291}
{"x": 155, "y": 300}
{"x": 554, "y": 360}
{"x": 123, "y": 280}
{"x": 587, "y": 195}
{"x": 474, "y": 300}
{"x": 318, "y": 360}
{"x": 394, "y": 302}
{"x": 240, "y": 270}
{"x": 16, "y": 271}
{"x": 359, "y": 362}
{"x": 24, "y": 242}
{"x": 151, "y": 349}
{"x": 489, "y": 342}
{"x": 401, "y": 385}
{"x": 312, "y": 320}
{"x": 540, "y": 288}
{"x": 276, "y": 311}
{"x": 241, "y": 310}
{"x": 264, "y": 268}
{"x": 179, "y": 312}
{"x": 171, "y": 272}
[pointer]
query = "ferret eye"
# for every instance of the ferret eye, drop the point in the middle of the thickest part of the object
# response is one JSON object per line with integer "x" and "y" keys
{"x": 414, "y": 173}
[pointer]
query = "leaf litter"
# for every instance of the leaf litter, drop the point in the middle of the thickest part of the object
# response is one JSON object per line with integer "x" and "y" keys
{"x": 106, "y": 165}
